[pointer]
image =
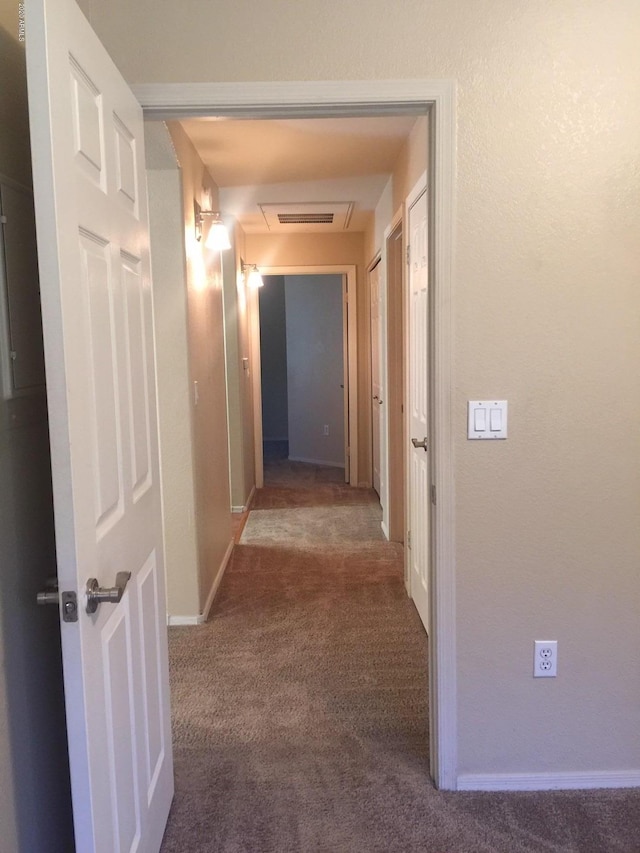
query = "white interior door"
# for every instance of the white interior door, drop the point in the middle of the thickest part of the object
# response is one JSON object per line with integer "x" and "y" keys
{"x": 418, "y": 304}
{"x": 93, "y": 248}
{"x": 376, "y": 383}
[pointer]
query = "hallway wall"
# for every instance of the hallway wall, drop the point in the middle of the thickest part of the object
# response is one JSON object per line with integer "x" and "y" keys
{"x": 170, "y": 306}
{"x": 207, "y": 373}
{"x": 188, "y": 312}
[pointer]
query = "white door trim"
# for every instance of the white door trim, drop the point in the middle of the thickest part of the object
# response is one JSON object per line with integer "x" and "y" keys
{"x": 349, "y": 271}
{"x": 367, "y": 97}
{"x": 379, "y": 262}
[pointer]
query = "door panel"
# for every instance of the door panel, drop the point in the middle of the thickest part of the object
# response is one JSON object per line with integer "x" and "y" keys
{"x": 93, "y": 247}
{"x": 418, "y": 402}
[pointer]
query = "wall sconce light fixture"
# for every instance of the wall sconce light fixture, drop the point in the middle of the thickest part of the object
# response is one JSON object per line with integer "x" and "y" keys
{"x": 252, "y": 275}
{"x": 218, "y": 236}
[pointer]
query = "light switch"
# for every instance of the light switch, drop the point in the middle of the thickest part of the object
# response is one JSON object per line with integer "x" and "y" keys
{"x": 487, "y": 419}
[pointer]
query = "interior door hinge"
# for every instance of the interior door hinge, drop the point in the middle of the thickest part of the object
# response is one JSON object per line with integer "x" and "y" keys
{"x": 433, "y": 495}
{"x": 408, "y": 255}
{"x": 408, "y": 539}
{"x": 3, "y": 220}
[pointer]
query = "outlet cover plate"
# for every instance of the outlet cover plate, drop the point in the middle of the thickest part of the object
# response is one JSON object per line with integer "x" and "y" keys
{"x": 545, "y": 658}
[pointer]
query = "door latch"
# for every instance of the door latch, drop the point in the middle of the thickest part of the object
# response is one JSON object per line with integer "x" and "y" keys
{"x": 51, "y": 595}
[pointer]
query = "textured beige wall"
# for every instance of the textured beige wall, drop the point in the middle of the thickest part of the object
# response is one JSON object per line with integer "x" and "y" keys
{"x": 170, "y": 306}
{"x": 547, "y": 315}
{"x": 382, "y": 216}
{"x": 271, "y": 250}
{"x": 207, "y": 369}
{"x": 411, "y": 163}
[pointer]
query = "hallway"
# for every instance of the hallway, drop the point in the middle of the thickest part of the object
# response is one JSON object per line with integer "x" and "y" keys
{"x": 300, "y": 707}
{"x": 304, "y": 696}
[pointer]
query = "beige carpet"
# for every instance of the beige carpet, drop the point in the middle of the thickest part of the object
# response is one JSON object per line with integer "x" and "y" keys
{"x": 300, "y": 708}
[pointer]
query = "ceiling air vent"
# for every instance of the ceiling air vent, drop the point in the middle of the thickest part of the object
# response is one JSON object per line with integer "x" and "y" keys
{"x": 305, "y": 218}
{"x": 308, "y": 216}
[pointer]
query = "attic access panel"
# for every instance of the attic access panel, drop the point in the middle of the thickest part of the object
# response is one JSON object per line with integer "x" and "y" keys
{"x": 308, "y": 216}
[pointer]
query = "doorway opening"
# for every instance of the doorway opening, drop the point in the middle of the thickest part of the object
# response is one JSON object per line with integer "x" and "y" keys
{"x": 283, "y": 100}
{"x": 344, "y": 330}
{"x": 304, "y": 373}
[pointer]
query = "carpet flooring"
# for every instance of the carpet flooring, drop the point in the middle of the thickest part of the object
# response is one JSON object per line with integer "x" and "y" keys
{"x": 300, "y": 707}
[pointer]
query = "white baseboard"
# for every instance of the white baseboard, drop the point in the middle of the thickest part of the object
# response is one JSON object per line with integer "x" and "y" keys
{"x": 174, "y": 621}
{"x": 317, "y": 462}
{"x": 247, "y": 506}
{"x": 198, "y": 620}
{"x": 385, "y": 530}
{"x": 548, "y": 781}
{"x": 365, "y": 485}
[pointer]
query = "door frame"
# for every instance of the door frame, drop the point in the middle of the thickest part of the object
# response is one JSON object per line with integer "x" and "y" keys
{"x": 395, "y": 333}
{"x": 348, "y": 271}
{"x": 378, "y": 262}
{"x": 309, "y": 99}
{"x": 420, "y": 187}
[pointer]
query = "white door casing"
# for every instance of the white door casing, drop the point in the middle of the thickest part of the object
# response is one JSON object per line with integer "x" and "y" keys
{"x": 350, "y": 362}
{"x": 376, "y": 376}
{"x": 93, "y": 248}
{"x": 331, "y": 98}
{"x": 418, "y": 398}
{"x": 345, "y": 379}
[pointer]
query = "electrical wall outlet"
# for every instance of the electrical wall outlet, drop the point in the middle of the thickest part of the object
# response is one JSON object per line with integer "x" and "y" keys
{"x": 326, "y": 429}
{"x": 545, "y": 658}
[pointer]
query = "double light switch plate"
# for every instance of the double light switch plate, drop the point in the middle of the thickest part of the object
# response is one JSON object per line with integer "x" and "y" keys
{"x": 487, "y": 419}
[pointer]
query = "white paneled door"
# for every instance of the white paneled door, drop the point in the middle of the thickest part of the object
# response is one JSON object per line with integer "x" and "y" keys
{"x": 93, "y": 249}
{"x": 376, "y": 382}
{"x": 418, "y": 303}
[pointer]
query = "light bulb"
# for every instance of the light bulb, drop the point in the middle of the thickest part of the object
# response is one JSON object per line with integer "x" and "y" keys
{"x": 255, "y": 279}
{"x": 218, "y": 237}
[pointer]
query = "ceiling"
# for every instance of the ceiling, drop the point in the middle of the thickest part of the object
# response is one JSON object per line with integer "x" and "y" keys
{"x": 317, "y": 163}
